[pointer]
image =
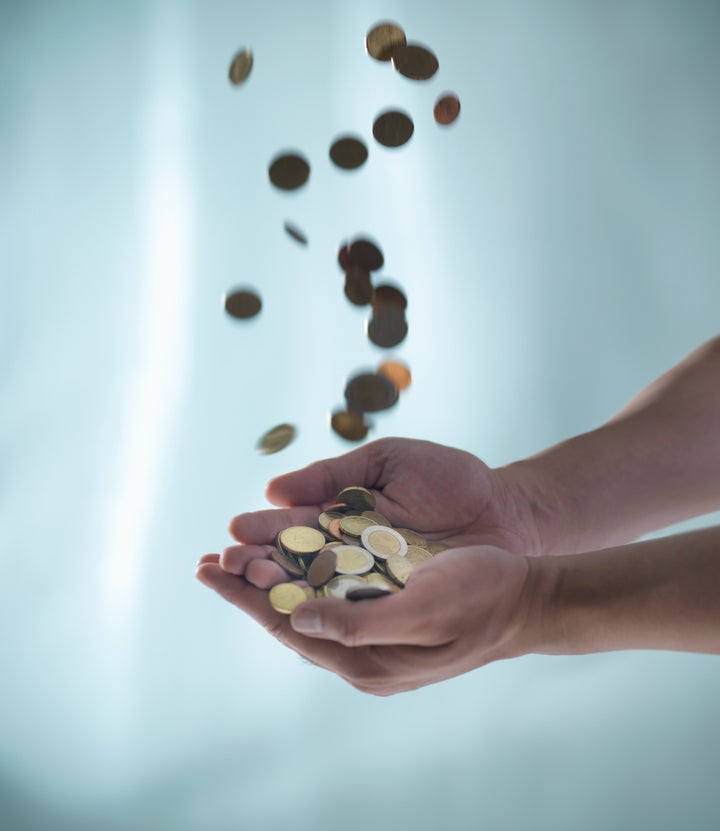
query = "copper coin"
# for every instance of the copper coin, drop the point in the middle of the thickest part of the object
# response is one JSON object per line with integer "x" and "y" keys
{"x": 322, "y": 567}
{"x": 343, "y": 256}
{"x": 289, "y": 171}
{"x": 295, "y": 233}
{"x": 333, "y": 529}
{"x": 349, "y": 425}
{"x": 387, "y": 328}
{"x": 382, "y": 40}
{"x": 242, "y": 304}
{"x": 447, "y": 109}
{"x": 358, "y": 288}
{"x": 366, "y": 254}
{"x": 389, "y": 295}
{"x": 397, "y": 372}
{"x": 393, "y": 128}
{"x": 358, "y": 498}
{"x": 348, "y": 153}
{"x": 240, "y": 67}
{"x": 370, "y": 393}
{"x": 415, "y": 61}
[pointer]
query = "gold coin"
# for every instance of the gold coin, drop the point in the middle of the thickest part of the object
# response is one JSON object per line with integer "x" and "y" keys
{"x": 437, "y": 547}
{"x": 398, "y": 373}
{"x": 322, "y": 567}
{"x": 382, "y": 39}
{"x": 302, "y": 540}
{"x": 276, "y": 439}
{"x": 387, "y": 328}
{"x": 415, "y": 61}
{"x": 399, "y": 568}
{"x": 393, "y": 128}
{"x": 355, "y": 525}
{"x": 289, "y": 171}
{"x": 242, "y": 304}
{"x": 295, "y": 233}
{"x": 358, "y": 498}
{"x": 368, "y": 592}
{"x": 447, "y": 109}
{"x": 289, "y": 565}
{"x": 383, "y": 542}
{"x": 285, "y": 597}
{"x": 351, "y": 559}
{"x": 348, "y": 152}
{"x": 310, "y": 592}
{"x": 369, "y": 393}
{"x": 326, "y": 518}
{"x": 417, "y": 555}
{"x": 376, "y": 579}
{"x": 240, "y": 67}
{"x": 366, "y": 254}
{"x": 377, "y": 519}
{"x": 412, "y": 537}
{"x": 340, "y": 585}
{"x": 349, "y": 425}
{"x": 358, "y": 287}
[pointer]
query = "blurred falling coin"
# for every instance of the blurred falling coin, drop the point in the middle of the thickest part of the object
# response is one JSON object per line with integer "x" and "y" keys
{"x": 382, "y": 40}
{"x": 397, "y": 372}
{"x": 393, "y": 128}
{"x": 242, "y": 304}
{"x": 348, "y": 153}
{"x": 289, "y": 171}
{"x": 447, "y": 109}
{"x": 349, "y": 425}
{"x": 370, "y": 393}
{"x": 240, "y": 67}
{"x": 387, "y": 328}
{"x": 365, "y": 254}
{"x": 415, "y": 61}
{"x": 295, "y": 233}
{"x": 343, "y": 256}
{"x": 389, "y": 295}
{"x": 358, "y": 286}
{"x": 276, "y": 439}
{"x": 286, "y": 597}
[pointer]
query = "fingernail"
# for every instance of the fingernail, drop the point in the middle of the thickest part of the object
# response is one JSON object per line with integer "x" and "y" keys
{"x": 307, "y": 621}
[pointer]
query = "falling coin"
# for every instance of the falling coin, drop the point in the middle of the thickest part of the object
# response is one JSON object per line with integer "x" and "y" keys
{"x": 276, "y": 439}
{"x": 295, "y": 233}
{"x": 349, "y": 153}
{"x": 370, "y": 393}
{"x": 447, "y": 109}
{"x": 322, "y": 567}
{"x": 302, "y": 540}
{"x": 393, "y": 128}
{"x": 358, "y": 286}
{"x": 289, "y": 171}
{"x": 397, "y": 372}
{"x": 242, "y": 304}
{"x": 343, "y": 256}
{"x": 415, "y": 61}
{"x": 240, "y": 67}
{"x": 364, "y": 253}
{"x": 389, "y": 295}
{"x": 387, "y": 328}
{"x": 382, "y": 39}
{"x": 349, "y": 425}
{"x": 285, "y": 597}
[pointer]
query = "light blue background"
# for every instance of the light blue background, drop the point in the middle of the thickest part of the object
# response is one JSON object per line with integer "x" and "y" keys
{"x": 559, "y": 247}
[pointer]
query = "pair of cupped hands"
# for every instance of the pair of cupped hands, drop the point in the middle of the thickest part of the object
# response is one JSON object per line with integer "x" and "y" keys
{"x": 465, "y": 607}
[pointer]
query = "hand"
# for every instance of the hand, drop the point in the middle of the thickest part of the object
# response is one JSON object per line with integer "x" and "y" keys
{"x": 460, "y": 610}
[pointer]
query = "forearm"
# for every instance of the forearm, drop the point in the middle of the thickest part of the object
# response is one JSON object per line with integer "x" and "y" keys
{"x": 655, "y": 463}
{"x": 656, "y": 594}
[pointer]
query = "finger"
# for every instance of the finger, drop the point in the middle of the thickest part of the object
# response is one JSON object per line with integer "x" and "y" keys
{"x": 235, "y": 558}
{"x": 265, "y": 574}
{"x": 262, "y": 527}
{"x": 321, "y": 481}
{"x": 208, "y": 558}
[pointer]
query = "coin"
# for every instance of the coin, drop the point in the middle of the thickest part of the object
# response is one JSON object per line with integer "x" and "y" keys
{"x": 240, "y": 67}
{"x": 412, "y": 537}
{"x": 242, "y": 304}
{"x": 387, "y": 294}
{"x": 310, "y": 592}
{"x": 358, "y": 288}
{"x": 348, "y": 152}
{"x": 382, "y": 39}
{"x": 285, "y": 597}
{"x": 370, "y": 393}
{"x": 276, "y": 439}
{"x": 322, "y": 567}
{"x": 326, "y": 518}
{"x": 333, "y": 529}
{"x": 376, "y": 579}
{"x": 366, "y": 254}
{"x": 387, "y": 328}
{"x": 357, "y": 497}
{"x": 377, "y": 519}
{"x": 383, "y": 542}
{"x": 340, "y": 585}
{"x": 351, "y": 559}
{"x": 415, "y": 61}
{"x": 349, "y": 425}
{"x": 295, "y": 233}
{"x": 393, "y": 128}
{"x": 343, "y": 256}
{"x": 302, "y": 540}
{"x": 368, "y": 592}
{"x": 447, "y": 109}
{"x": 399, "y": 568}
{"x": 417, "y": 555}
{"x": 397, "y": 372}
{"x": 355, "y": 525}
{"x": 437, "y": 547}
{"x": 284, "y": 561}
{"x": 289, "y": 171}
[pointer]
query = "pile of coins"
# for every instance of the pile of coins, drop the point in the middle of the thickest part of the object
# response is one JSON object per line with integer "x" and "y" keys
{"x": 354, "y": 553}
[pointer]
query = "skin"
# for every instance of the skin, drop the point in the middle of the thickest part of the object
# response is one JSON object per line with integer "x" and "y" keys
{"x": 655, "y": 463}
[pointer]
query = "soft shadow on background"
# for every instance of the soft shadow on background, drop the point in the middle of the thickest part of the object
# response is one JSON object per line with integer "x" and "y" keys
{"x": 559, "y": 249}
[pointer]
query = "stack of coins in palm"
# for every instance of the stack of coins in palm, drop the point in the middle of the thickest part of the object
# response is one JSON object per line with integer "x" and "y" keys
{"x": 354, "y": 553}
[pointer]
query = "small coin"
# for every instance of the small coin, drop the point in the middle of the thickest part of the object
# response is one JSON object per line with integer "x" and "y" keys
{"x": 322, "y": 567}
{"x": 393, "y": 128}
{"x": 349, "y": 425}
{"x": 355, "y": 525}
{"x": 368, "y": 592}
{"x": 240, "y": 67}
{"x": 333, "y": 529}
{"x": 242, "y": 304}
{"x": 302, "y": 540}
{"x": 399, "y": 568}
{"x": 387, "y": 294}
{"x": 415, "y": 61}
{"x": 285, "y": 562}
{"x": 310, "y": 592}
{"x": 366, "y": 254}
{"x": 343, "y": 256}
{"x": 326, "y": 518}
{"x": 340, "y": 585}
{"x": 348, "y": 152}
{"x": 437, "y": 547}
{"x": 397, "y": 372}
{"x": 377, "y": 519}
{"x": 383, "y": 542}
{"x": 376, "y": 579}
{"x": 276, "y": 439}
{"x": 295, "y": 233}
{"x": 447, "y": 109}
{"x": 289, "y": 171}
{"x": 370, "y": 393}
{"x": 382, "y": 39}
{"x": 351, "y": 559}
{"x": 358, "y": 287}
{"x": 417, "y": 555}
{"x": 387, "y": 328}
{"x": 412, "y": 537}
{"x": 285, "y": 597}
{"x": 358, "y": 498}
